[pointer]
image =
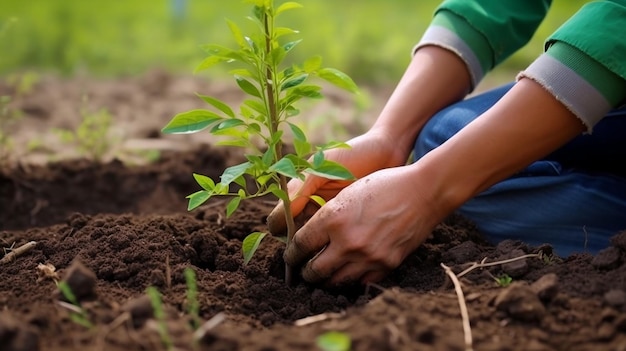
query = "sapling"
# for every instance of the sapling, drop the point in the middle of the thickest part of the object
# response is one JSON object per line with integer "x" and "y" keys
{"x": 504, "y": 280}
{"x": 159, "y": 314}
{"x": 91, "y": 137}
{"x": 272, "y": 88}
{"x": 78, "y": 314}
{"x": 193, "y": 306}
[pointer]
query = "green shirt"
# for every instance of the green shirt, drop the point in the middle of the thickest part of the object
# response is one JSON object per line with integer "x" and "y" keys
{"x": 584, "y": 63}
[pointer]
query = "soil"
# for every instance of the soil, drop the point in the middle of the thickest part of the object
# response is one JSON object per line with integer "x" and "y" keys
{"x": 110, "y": 230}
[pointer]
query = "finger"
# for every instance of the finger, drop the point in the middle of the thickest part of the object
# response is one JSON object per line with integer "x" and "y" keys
{"x": 374, "y": 276}
{"x": 350, "y": 273}
{"x": 323, "y": 265}
{"x": 307, "y": 242}
{"x": 356, "y": 271}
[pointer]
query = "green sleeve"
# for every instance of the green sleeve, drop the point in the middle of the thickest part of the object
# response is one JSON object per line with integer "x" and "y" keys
{"x": 484, "y": 32}
{"x": 584, "y": 65}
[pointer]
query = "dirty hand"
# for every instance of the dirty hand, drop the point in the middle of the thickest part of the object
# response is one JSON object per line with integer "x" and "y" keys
{"x": 368, "y": 153}
{"x": 367, "y": 230}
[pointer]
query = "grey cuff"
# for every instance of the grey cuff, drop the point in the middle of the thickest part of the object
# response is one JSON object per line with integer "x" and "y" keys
{"x": 575, "y": 93}
{"x": 447, "y": 39}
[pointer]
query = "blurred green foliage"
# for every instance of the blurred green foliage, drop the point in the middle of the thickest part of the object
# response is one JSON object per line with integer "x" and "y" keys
{"x": 368, "y": 39}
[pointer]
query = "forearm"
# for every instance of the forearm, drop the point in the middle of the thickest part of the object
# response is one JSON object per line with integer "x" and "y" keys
{"x": 525, "y": 125}
{"x": 434, "y": 79}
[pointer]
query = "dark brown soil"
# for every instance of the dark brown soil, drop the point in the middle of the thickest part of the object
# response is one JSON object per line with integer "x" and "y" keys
{"x": 129, "y": 227}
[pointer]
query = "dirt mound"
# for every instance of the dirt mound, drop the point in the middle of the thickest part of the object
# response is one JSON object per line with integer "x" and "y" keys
{"x": 129, "y": 228}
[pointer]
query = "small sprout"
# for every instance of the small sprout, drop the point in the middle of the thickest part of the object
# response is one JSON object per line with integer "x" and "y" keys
{"x": 159, "y": 315}
{"x": 91, "y": 138}
{"x": 78, "y": 314}
{"x": 504, "y": 280}
{"x": 334, "y": 341}
{"x": 193, "y": 306}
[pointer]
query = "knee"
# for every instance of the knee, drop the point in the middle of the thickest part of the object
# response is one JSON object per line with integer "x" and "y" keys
{"x": 441, "y": 127}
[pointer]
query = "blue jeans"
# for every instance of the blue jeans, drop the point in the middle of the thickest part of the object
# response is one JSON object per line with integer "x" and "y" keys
{"x": 573, "y": 199}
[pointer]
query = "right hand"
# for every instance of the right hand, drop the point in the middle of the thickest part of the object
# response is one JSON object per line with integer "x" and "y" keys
{"x": 368, "y": 153}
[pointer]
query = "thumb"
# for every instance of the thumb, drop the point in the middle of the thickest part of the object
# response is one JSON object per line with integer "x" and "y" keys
{"x": 299, "y": 193}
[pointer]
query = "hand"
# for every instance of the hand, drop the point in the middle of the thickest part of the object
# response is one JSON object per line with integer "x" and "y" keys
{"x": 368, "y": 153}
{"x": 366, "y": 230}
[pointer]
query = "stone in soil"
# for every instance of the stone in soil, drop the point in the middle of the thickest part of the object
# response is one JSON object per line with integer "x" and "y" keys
{"x": 520, "y": 302}
{"x": 80, "y": 279}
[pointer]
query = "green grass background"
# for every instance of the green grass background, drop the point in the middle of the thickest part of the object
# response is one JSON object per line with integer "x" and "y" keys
{"x": 368, "y": 39}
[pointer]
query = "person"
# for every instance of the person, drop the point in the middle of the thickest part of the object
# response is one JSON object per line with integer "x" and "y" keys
{"x": 539, "y": 160}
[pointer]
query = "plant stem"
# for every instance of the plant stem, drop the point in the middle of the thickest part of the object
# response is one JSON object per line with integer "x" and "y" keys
{"x": 274, "y": 122}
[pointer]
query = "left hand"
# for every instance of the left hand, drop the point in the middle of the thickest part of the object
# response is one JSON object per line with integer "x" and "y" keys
{"x": 366, "y": 231}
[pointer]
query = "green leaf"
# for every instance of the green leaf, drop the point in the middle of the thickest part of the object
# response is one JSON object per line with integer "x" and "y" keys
{"x": 258, "y": 11}
{"x": 310, "y": 91}
{"x": 290, "y": 45}
{"x": 276, "y": 137}
{"x": 263, "y": 179}
{"x": 237, "y": 142}
{"x": 298, "y": 162}
{"x": 335, "y": 145}
{"x": 232, "y": 206}
{"x": 334, "y": 341}
{"x": 233, "y": 172}
{"x": 312, "y": 64}
{"x": 198, "y": 198}
{"x": 338, "y": 79}
{"x": 247, "y": 87}
{"x": 227, "y": 124}
{"x": 278, "y": 192}
{"x": 252, "y": 44}
{"x": 217, "y": 51}
{"x": 244, "y": 72}
{"x": 250, "y": 244}
{"x": 297, "y": 132}
{"x": 318, "y": 200}
{"x": 331, "y": 170}
{"x": 291, "y": 111}
{"x": 294, "y": 82}
{"x": 236, "y": 33}
{"x": 241, "y": 181}
{"x": 208, "y": 63}
{"x": 220, "y": 105}
{"x": 318, "y": 159}
{"x": 256, "y": 105}
{"x": 268, "y": 157}
{"x": 281, "y": 31}
{"x": 277, "y": 55}
{"x": 191, "y": 122}
{"x": 303, "y": 148}
{"x": 254, "y": 128}
{"x": 285, "y": 167}
{"x": 287, "y": 6}
{"x": 205, "y": 182}
{"x": 255, "y": 160}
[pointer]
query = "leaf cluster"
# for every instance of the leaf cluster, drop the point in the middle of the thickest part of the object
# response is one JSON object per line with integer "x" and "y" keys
{"x": 79, "y": 317}
{"x": 272, "y": 90}
{"x": 91, "y": 137}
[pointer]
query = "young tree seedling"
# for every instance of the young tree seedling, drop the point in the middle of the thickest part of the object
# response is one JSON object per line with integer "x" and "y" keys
{"x": 504, "y": 280}
{"x": 91, "y": 137}
{"x": 159, "y": 315}
{"x": 334, "y": 341}
{"x": 193, "y": 306}
{"x": 78, "y": 314}
{"x": 272, "y": 88}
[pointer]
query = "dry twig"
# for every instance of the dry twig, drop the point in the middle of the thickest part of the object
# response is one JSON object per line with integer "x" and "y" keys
{"x": 467, "y": 329}
{"x": 483, "y": 264}
{"x": 15, "y": 253}
{"x": 317, "y": 318}
{"x": 208, "y": 325}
